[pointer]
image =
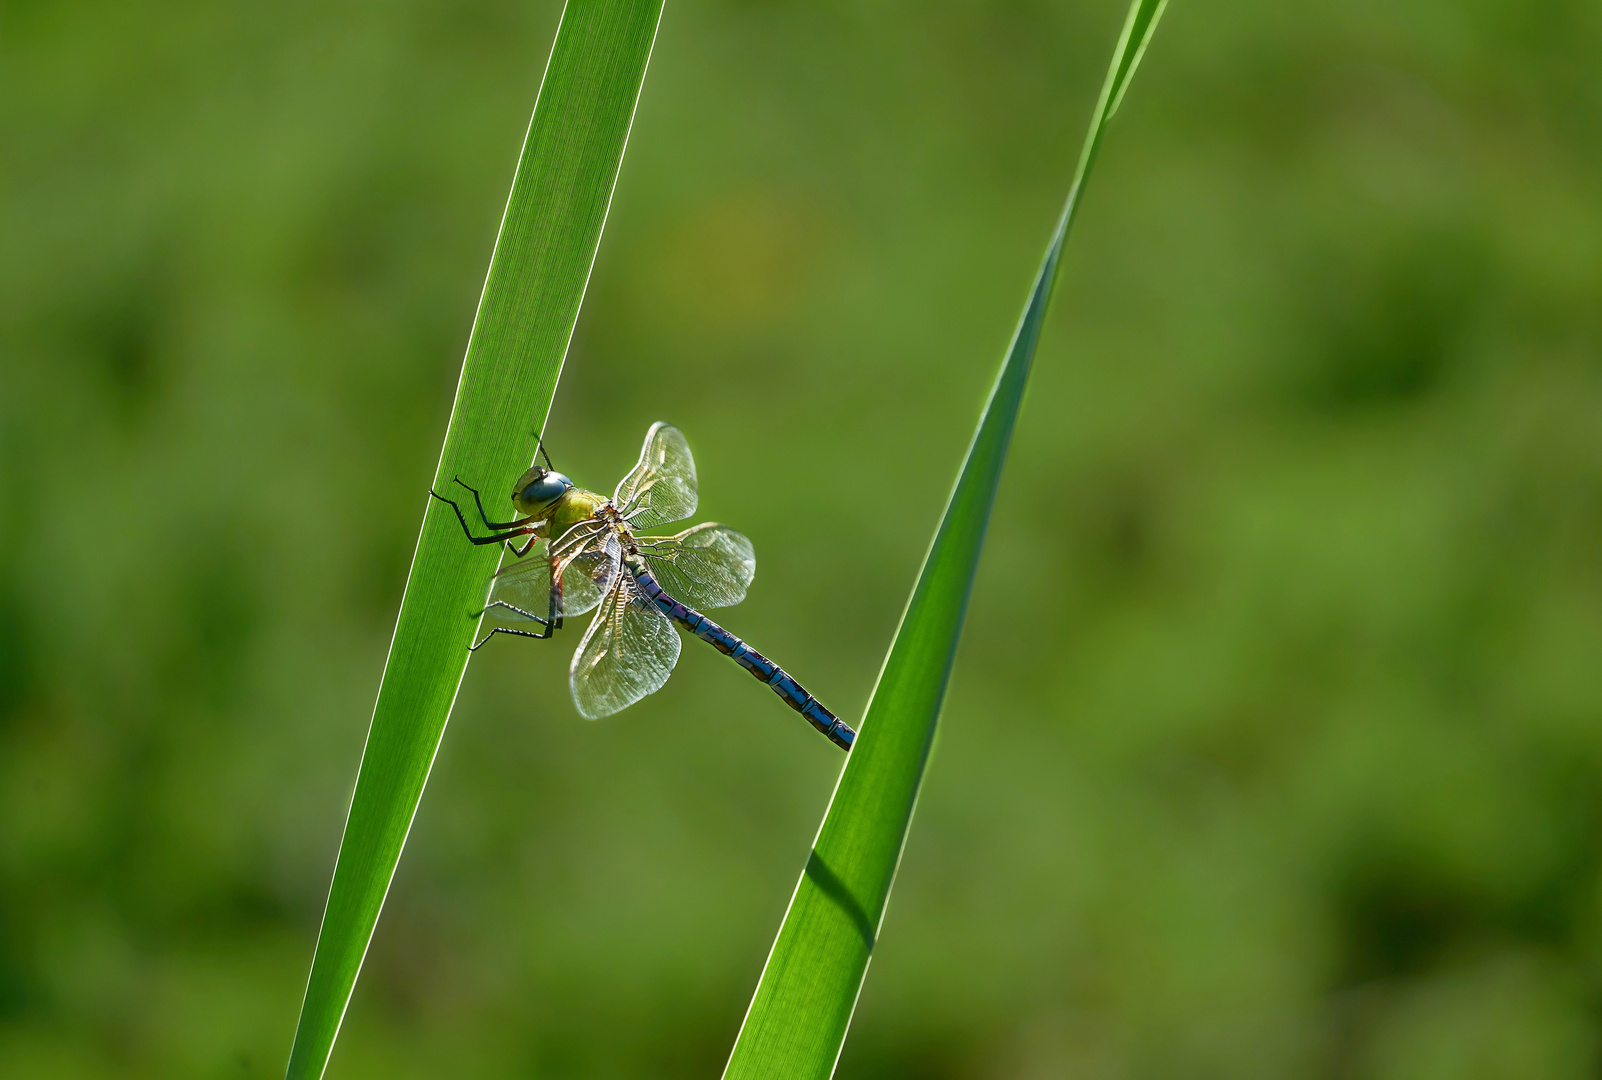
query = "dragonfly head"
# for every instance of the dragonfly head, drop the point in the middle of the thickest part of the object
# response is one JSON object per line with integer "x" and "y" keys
{"x": 538, "y": 492}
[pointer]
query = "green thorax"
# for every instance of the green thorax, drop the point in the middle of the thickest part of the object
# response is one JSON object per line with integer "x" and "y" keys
{"x": 575, "y": 506}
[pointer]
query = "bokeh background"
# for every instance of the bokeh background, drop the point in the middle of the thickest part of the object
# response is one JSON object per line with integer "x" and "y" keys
{"x": 1275, "y": 743}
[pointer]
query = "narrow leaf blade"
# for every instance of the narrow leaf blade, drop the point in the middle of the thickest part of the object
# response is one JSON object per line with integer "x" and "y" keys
{"x": 532, "y": 293}
{"x": 797, "y": 1022}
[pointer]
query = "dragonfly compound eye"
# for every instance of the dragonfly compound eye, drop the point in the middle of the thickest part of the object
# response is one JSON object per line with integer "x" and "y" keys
{"x": 542, "y": 488}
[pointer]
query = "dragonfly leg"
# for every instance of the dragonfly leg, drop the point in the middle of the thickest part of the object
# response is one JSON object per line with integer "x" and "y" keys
{"x": 524, "y": 550}
{"x": 494, "y": 539}
{"x": 488, "y": 524}
{"x": 479, "y": 644}
{"x": 529, "y": 615}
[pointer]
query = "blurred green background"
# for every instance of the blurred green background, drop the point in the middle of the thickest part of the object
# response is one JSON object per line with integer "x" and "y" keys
{"x": 1275, "y": 744}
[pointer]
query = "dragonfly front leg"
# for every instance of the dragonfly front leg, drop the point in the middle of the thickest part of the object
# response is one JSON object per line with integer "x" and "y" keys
{"x": 522, "y": 528}
{"x": 488, "y": 524}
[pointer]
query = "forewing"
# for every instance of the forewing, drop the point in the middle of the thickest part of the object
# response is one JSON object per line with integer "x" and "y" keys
{"x": 708, "y": 566}
{"x": 628, "y": 652}
{"x": 661, "y": 487}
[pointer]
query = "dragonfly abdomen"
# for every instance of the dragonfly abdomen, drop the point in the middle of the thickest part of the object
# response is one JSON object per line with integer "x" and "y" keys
{"x": 792, "y": 692}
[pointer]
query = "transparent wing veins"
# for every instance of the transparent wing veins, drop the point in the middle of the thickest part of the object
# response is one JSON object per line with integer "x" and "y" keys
{"x": 628, "y": 652}
{"x": 708, "y": 566}
{"x": 661, "y": 487}
{"x": 584, "y": 561}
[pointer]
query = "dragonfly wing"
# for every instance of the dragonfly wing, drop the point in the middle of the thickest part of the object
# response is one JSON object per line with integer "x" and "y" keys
{"x": 521, "y": 592}
{"x": 628, "y": 652}
{"x": 661, "y": 487}
{"x": 588, "y": 575}
{"x": 708, "y": 566}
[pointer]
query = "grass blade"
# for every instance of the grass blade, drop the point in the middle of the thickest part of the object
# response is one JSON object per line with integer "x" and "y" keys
{"x": 798, "y": 1018}
{"x": 536, "y": 281}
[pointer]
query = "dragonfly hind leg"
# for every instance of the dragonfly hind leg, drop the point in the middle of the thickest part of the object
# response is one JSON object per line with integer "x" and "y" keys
{"x": 552, "y": 622}
{"x": 551, "y": 626}
{"x": 481, "y": 642}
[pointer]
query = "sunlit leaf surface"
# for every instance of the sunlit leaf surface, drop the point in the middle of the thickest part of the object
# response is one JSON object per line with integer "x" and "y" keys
{"x": 531, "y": 299}
{"x": 797, "y": 1021}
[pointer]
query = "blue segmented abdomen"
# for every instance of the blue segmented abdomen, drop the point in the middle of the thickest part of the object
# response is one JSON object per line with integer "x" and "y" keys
{"x": 793, "y": 693}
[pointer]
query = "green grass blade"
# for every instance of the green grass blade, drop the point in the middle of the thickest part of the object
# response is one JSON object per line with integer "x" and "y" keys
{"x": 531, "y": 299}
{"x": 798, "y": 1018}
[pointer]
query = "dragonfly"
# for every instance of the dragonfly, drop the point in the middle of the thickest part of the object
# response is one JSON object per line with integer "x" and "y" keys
{"x": 585, "y": 551}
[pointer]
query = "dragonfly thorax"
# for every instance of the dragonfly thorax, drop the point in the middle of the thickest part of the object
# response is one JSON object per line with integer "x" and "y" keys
{"x": 575, "y": 507}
